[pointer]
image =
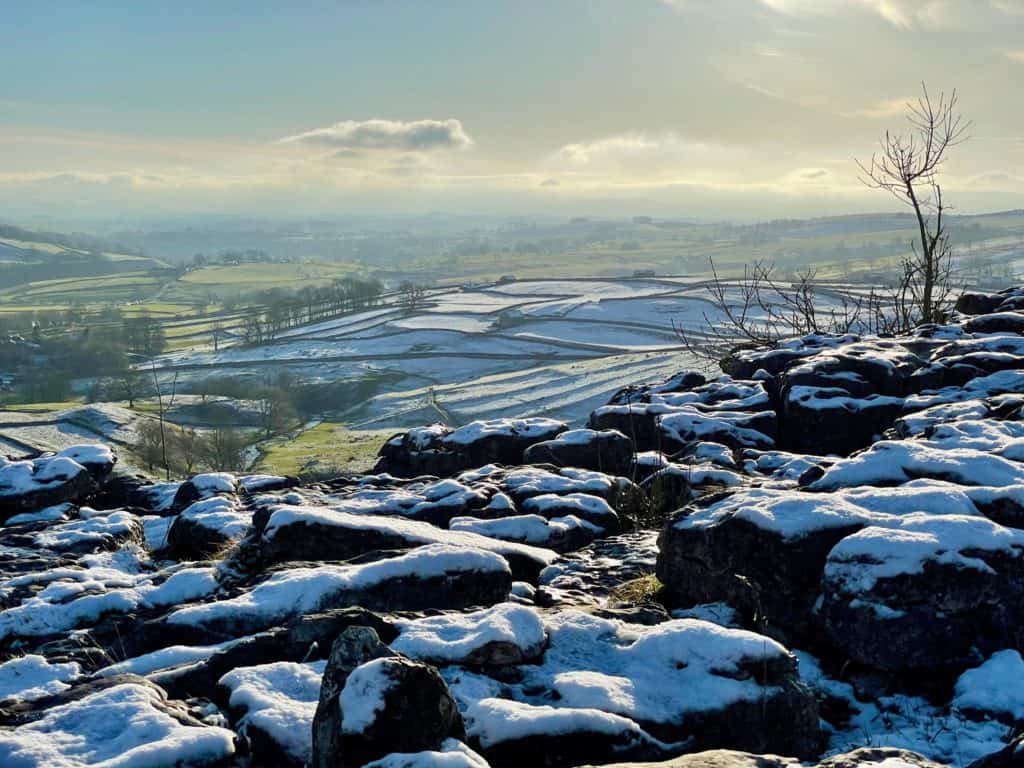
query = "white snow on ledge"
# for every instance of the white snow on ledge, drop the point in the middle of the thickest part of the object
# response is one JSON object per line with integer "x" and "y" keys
{"x": 994, "y": 687}
{"x": 279, "y": 699}
{"x": 305, "y": 590}
{"x": 903, "y": 547}
{"x": 362, "y": 698}
{"x": 478, "y": 430}
{"x": 452, "y": 637}
{"x": 33, "y": 677}
{"x": 120, "y": 727}
{"x": 453, "y": 754}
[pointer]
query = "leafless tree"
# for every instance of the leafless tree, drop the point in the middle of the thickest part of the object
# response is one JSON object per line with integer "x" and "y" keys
{"x": 757, "y": 309}
{"x": 907, "y": 166}
{"x": 161, "y": 412}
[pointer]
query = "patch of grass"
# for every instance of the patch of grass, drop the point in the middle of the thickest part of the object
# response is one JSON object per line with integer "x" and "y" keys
{"x": 44, "y": 407}
{"x": 325, "y": 450}
{"x": 268, "y": 275}
{"x": 646, "y": 589}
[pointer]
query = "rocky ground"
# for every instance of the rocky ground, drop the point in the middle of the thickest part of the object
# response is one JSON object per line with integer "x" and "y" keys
{"x": 816, "y": 558}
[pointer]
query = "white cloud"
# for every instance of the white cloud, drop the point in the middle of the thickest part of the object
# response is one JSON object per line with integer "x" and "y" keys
{"x": 395, "y": 135}
{"x": 640, "y": 152}
{"x": 900, "y": 13}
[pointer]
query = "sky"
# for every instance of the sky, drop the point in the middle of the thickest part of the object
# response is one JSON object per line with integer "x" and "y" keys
{"x": 722, "y": 109}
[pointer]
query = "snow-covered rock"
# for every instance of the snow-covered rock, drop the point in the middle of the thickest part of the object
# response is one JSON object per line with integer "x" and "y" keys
{"x": 125, "y": 725}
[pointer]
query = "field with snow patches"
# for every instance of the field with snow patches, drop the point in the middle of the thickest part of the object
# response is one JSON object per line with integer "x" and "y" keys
{"x": 557, "y": 347}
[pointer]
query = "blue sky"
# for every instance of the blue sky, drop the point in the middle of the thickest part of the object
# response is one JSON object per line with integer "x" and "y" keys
{"x": 701, "y": 107}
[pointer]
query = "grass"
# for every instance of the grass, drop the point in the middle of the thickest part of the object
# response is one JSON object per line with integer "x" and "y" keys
{"x": 645, "y": 589}
{"x": 327, "y": 449}
{"x": 268, "y": 275}
{"x": 43, "y": 407}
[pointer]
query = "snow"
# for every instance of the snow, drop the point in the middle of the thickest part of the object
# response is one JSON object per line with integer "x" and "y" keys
{"x": 18, "y": 478}
{"x": 280, "y": 700}
{"x": 538, "y": 428}
{"x": 859, "y": 561}
{"x": 533, "y": 481}
{"x": 528, "y": 529}
{"x": 591, "y": 508}
{"x": 690, "y": 425}
{"x": 362, "y": 698}
{"x": 790, "y": 514}
{"x": 257, "y": 483}
{"x": 181, "y": 587}
{"x": 164, "y": 658}
{"x": 994, "y": 687}
{"x": 45, "y": 515}
{"x": 121, "y": 727}
{"x": 155, "y": 530}
{"x": 160, "y": 495}
{"x": 412, "y": 531}
{"x": 32, "y": 677}
{"x": 213, "y": 483}
{"x": 220, "y": 514}
{"x": 891, "y": 462}
{"x": 716, "y": 613}
{"x": 97, "y": 531}
{"x": 453, "y": 754}
{"x": 905, "y": 722}
{"x": 451, "y": 638}
{"x": 493, "y": 721}
{"x": 652, "y": 674}
{"x": 793, "y": 514}
{"x": 39, "y": 616}
{"x": 89, "y": 455}
{"x": 77, "y": 596}
{"x": 582, "y": 436}
{"x": 305, "y": 590}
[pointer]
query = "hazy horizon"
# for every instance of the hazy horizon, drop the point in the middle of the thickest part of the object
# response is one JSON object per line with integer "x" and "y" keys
{"x": 739, "y": 109}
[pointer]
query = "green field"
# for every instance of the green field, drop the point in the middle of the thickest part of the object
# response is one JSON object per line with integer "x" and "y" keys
{"x": 325, "y": 450}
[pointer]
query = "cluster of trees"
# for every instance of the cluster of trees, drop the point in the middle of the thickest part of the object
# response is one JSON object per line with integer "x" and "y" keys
{"x": 143, "y": 335}
{"x": 220, "y": 444}
{"x": 181, "y": 451}
{"x": 280, "y": 310}
{"x": 233, "y": 256}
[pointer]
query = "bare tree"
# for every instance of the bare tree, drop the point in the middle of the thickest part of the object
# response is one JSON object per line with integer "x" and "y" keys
{"x": 757, "y": 309}
{"x": 907, "y": 167}
{"x": 161, "y": 413}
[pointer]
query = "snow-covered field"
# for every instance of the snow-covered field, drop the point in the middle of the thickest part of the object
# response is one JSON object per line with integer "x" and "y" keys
{"x": 553, "y": 346}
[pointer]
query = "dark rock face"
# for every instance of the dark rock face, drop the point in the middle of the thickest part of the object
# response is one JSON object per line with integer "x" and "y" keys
{"x": 978, "y": 303}
{"x": 604, "y": 451}
{"x": 571, "y": 748}
{"x": 761, "y": 572}
{"x": 684, "y": 381}
{"x": 941, "y": 614}
{"x": 443, "y": 451}
{"x": 416, "y": 711}
{"x": 998, "y": 322}
{"x": 353, "y": 647}
{"x": 828, "y": 420}
{"x": 1010, "y": 757}
{"x": 307, "y": 639}
{"x": 44, "y": 482}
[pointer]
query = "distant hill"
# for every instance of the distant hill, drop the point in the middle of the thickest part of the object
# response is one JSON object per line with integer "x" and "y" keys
{"x": 27, "y": 256}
